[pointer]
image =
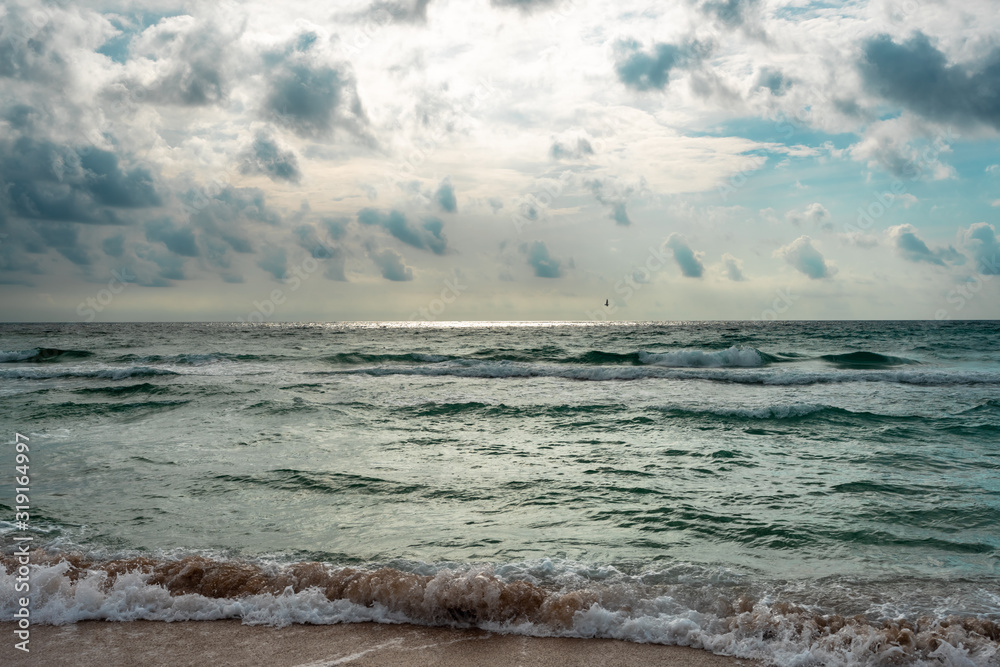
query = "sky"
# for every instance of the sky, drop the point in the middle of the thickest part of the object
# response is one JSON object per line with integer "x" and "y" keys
{"x": 499, "y": 160}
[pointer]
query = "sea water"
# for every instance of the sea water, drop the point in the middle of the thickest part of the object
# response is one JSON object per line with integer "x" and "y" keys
{"x": 802, "y": 492}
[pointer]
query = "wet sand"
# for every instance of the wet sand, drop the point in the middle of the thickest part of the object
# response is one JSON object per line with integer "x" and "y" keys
{"x": 224, "y": 643}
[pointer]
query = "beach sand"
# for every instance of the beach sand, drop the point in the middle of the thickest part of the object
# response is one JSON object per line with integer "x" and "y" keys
{"x": 220, "y": 643}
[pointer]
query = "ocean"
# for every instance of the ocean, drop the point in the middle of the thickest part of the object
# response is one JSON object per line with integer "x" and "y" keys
{"x": 799, "y": 492}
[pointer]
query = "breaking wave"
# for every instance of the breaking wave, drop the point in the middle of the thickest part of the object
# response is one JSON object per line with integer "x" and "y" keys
{"x": 718, "y": 613}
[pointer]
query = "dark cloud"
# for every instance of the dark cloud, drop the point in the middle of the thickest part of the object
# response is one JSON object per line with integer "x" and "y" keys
{"x": 428, "y": 236}
{"x": 445, "y": 197}
{"x": 917, "y": 76}
{"x": 733, "y": 267}
{"x": 640, "y": 70}
{"x": 616, "y": 200}
{"x": 562, "y": 151}
{"x": 689, "y": 263}
{"x": 228, "y": 217}
{"x": 193, "y": 58}
{"x": 47, "y": 181}
{"x": 265, "y": 156}
{"x": 414, "y": 11}
{"x": 773, "y": 80}
{"x": 114, "y": 246}
{"x": 981, "y": 240}
{"x": 801, "y": 254}
{"x": 30, "y": 45}
{"x": 274, "y": 260}
{"x": 545, "y": 266}
{"x": 178, "y": 240}
{"x": 64, "y": 239}
{"x": 311, "y": 97}
{"x": 524, "y": 5}
{"x": 391, "y": 264}
{"x": 914, "y": 249}
{"x": 735, "y": 14}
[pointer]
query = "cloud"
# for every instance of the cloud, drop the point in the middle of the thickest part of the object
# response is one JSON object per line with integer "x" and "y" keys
{"x": 190, "y": 57}
{"x": 114, "y": 246}
{"x": 981, "y": 240}
{"x": 801, "y": 254}
{"x": 445, "y": 197}
{"x": 332, "y": 255}
{"x": 274, "y": 260}
{"x": 651, "y": 71}
{"x": 524, "y": 5}
{"x": 571, "y": 150}
{"x": 178, "y": 240}
{"x": 428, "y": 236}
{"x": 265, "y": 156}
{"x": 733, "y": 267}
{"x": 391, "y": 264}
{"x": 773, "y": 80}
{"x": 917, "y": 76}
{"x": 688, "y": 260}
{"x": 47, "y": 181}
{"x": 545, "y": 266}
{"x": 614, "y": 195}
{"x": 814, "y": 213}
{"x": 911, "y": 247}
{"x": 310, "y": 96}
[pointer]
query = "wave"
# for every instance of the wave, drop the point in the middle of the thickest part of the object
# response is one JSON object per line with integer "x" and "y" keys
{"x": 194, "y": 359}
{"x": 40, "y": 354}
{"x": 101, "y": 373}
{"x": 733, "y": 357}
{"x": 357, "y": 358}
{"x": 736, "y": 375}
{"x": 865, "y": 359}
{"x": 669, "y": 607}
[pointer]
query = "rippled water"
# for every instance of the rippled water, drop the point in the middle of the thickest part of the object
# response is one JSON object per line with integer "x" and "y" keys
{"x": 842, "y": 468}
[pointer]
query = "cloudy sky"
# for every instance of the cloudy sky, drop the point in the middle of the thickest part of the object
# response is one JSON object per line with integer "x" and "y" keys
{"x": 499, "y": 159}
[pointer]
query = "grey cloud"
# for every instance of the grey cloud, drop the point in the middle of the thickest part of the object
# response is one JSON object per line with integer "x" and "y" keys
{"x": 47, "y": 181}
{"x": 336, "y": 227}
{"x": 773, "y": 80}
{"x": 914, "y": 249}
{"x": 114, "y": 246}
{"x": 916, "y": 75}
{"x": 524, "y": 5}
{"x": 63, "y": 238}
{"x": 196, "y": 57}
{"x": 981, "y": 240}
{"x": 562, "y": 151}
{"x": 801, "y": 254}
{"x": 734, "y": 13}
{"x": 228, "y": 217}
{"x": 814, "y": 213}
{"x": 616, "y": 199}
{"x": 332, "y": 255}
{"x": 414, "y": 11}
{"x": 428, "y": 236}
{"x": 544, "y": 265}
{"x": 689, "y": 263}
{"x": 311, "y": 97}
{"x": 445, "y": 197}
{"x": 651, "y": 71}
{"x": 274, "y": 260}
{"x": 391, "y": 264}
{"x": 178, "y": 240}
{"x": 265, "y": 156}
{"x": 733, "y": 267}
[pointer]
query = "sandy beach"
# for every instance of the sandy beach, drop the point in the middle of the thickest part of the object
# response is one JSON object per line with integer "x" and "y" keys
{"x": 223, "y": 643}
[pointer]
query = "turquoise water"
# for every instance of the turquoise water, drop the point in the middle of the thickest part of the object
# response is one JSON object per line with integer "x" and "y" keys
{"x": 842, "y": 467}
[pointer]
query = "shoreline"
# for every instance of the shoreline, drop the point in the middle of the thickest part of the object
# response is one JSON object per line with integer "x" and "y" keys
{"x": 224, "y": 643}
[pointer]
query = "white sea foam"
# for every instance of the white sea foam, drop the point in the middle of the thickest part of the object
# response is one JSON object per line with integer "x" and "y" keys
{"x": 785, "y": 635}
{"x": 733, "y": 357}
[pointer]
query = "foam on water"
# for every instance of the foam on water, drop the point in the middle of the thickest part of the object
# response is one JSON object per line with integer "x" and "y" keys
{"x": 69, "y": 589}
